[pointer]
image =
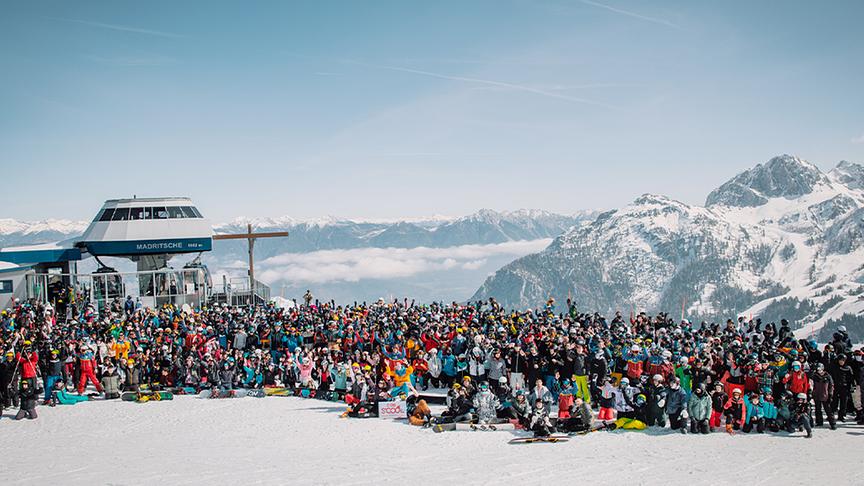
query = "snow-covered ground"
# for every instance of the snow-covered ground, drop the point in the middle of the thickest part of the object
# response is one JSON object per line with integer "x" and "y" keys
{"x": 279, "y": 440}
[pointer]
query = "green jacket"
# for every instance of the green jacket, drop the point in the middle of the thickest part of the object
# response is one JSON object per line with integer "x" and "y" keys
{"x": 699, "y": 408}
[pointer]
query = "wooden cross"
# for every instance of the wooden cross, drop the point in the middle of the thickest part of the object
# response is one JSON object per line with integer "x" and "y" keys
{"x": 251, "y": 237}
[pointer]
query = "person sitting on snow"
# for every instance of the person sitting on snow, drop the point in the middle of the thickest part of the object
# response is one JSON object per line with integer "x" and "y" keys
{"x": 540, "y": 423}
{"x": 580, "y": 419}
{"x": 699, "y": 409}
{"x": 486, "y": 405}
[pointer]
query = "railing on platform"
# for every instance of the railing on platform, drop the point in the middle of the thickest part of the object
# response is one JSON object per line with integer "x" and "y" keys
{"x": 152, "y": 288}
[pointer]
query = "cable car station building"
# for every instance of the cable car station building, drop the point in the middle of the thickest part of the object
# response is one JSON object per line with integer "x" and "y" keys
{"x": 147, "y": 231}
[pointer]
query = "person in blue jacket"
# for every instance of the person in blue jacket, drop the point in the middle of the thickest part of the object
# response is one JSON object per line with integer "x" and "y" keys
{"x": 755, "y": 414}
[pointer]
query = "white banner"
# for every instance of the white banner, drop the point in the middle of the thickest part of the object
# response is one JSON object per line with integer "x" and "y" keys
{"x": 393, "y": 410}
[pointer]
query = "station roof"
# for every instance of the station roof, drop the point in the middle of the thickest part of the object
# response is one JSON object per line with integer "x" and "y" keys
{"x": 45, "y": 253}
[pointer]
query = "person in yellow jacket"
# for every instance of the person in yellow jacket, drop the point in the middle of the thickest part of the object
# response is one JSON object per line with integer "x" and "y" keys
{"x": 121, "y": 348}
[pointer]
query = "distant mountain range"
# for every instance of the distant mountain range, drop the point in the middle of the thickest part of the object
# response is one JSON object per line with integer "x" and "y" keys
{"x": 781, "y": 240}
{"x": 343, "y": 259}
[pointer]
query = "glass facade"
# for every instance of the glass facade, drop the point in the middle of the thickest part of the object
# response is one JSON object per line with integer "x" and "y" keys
{"x": 157, "y": 212}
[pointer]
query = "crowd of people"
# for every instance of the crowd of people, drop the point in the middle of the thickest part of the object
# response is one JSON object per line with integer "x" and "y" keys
{"x": 550, "y": 369}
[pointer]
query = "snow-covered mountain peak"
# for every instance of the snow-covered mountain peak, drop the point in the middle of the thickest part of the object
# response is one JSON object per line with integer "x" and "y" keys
{"x": 782, "y": 239}
{"x": 849, "y": 174}
{"x": 784, "y": 176}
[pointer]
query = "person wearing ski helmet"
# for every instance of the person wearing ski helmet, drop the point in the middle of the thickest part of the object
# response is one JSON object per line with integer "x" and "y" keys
{"x": 485, "y": 404}
{"x": 800, "y": 412}
{"x": 797, "y": 380}
{"x": 735, "y": 411}
{"x": 624, "y": 398}
{"x": 635, "y": 362}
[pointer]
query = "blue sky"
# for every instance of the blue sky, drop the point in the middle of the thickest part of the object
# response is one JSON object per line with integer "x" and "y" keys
{"x": 386, "y": 109}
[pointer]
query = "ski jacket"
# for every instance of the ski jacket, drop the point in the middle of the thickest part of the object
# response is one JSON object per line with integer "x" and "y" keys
{"x": 676, "y": 401}
{"x": 583, "y": 414}
{"x": 608, "y": 396}
{"x": 657, "y": 399}
{"x": 798, "y": 382}
{"x": 736, "y": 409}
{"x": 497, "y": 368}
{"x": 486, "y": 405}
{"x": 522, "y": 409}
{"x": 842, "y": 375}
{"x": 754, "y": 412}
{"x": 542, "y": 393}
{"x": 823, "y": 387}
{"x": 718, "y": 401}
{"x": 305, "y": 371}
{"x": 540, "y": 416}
{"x": 111, "y": 383}
{"x": 448, "y": 365}
{"x": 28, "y": 365}
{"x": 624, "y": 398}
{"x": 698, "y": 407}
{"x": 434, "y": 364}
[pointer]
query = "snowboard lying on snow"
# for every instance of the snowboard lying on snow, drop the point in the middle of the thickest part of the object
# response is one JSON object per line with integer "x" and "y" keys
{"x": 328, "y": 395}
{"x": 533, "y": 440}
{"x": 472, "y": 427}
{"x": 231, "y": 393}
{"x": 146, "y": 396}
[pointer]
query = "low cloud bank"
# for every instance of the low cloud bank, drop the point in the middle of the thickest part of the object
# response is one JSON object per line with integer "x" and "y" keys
{"x": 382, "y": 263}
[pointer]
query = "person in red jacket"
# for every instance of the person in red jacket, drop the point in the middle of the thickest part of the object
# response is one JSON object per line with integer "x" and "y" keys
{"x": 28, "y": 360}
{"x": 796, "y": 380}
{"x": 88, "y": 366}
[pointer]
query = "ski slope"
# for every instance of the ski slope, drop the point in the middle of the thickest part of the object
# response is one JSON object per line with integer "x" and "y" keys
{"x": 278, "y": 440}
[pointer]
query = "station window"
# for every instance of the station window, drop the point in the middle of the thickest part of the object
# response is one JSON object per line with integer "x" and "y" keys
{"x": 148, "y": 213}
{"x": 188, "y": 212}
{"x": 120, "y": 214}
{"x": 175, "y": 212}
{"x": 107, "y": 214}
{"x": 197, "y": 213}
{"x": 136, "y": 214}
{"x": 159, "y": 212}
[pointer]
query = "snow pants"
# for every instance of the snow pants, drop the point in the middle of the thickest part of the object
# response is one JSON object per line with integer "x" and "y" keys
{"x": 716, "y": 419}
{"x": 630, "y": 423}
{"x": 839, "y": 403}
{"x": 606, "y": 414}
{"x": 676, "y": 422}
{"x": 802, "y": 421}
{"x": 29, "y": 413}
{"x": 50, "y": 381}
{"x": 699, "y": 426}
{"x": 82, "y": 382}
{"x": 826, "y": 407}
{"x": 582, "y": 384}
{"x": 754, "y": 423}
